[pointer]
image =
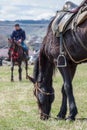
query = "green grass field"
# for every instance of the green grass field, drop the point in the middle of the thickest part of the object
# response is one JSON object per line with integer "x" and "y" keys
{"x": 18, "y": 107}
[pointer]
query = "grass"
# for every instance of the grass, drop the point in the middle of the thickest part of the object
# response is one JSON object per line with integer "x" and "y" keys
{"x": 18, "y": 108}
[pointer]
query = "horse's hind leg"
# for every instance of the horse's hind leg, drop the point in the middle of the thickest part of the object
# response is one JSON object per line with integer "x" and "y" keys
{"x": 12, "y": 69}
{"x": 20, "y": 73}
{"x": 26, "y": 68}
{"x": 63, "y": 108}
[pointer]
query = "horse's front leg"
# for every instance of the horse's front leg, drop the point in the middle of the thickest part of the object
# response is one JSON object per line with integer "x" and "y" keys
{"x": 69, "y": 92}
{"x": 63, "y": 108}
{"x": 20, "y": 72}
{"x": 12, "y": 69}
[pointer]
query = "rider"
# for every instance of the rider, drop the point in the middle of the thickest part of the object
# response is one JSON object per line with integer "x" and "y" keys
{"x": 19, "y": 36}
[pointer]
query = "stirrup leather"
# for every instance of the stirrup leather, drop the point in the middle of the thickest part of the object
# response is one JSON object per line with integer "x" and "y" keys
{"x": 61, "y": 60}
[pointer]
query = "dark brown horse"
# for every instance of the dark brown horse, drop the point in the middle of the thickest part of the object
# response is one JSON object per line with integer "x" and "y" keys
{"x": 75, "y": 54}
{"x": 17, "y": 57}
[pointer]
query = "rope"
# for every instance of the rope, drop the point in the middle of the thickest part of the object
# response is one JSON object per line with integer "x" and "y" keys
{"x": 75, "y": 35}
{"x": 74, "y": 27}
{"x": 40, "y": 90}
{"x": 76, "y": 62}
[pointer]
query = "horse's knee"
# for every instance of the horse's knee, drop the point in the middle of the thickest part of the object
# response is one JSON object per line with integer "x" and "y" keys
{"x": 63, "y": 90}
{"x": 67, "y": 88}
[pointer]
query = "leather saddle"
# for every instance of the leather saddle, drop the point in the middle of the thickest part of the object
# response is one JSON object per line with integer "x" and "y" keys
{"x": 64, "y": 17}
{"x": 70, "y": 6}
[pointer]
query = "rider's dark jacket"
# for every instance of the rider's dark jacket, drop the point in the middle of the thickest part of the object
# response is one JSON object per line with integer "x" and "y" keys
{"x": 18, "y": 34}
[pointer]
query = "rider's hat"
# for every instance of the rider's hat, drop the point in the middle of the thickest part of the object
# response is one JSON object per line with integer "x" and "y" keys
{"x": 17, "y": 25}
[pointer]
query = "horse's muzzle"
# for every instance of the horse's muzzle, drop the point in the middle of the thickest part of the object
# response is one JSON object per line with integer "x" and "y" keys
{"x": 44, "y": 116}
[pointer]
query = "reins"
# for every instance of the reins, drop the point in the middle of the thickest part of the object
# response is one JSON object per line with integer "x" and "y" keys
{"x": 43, "y": 92}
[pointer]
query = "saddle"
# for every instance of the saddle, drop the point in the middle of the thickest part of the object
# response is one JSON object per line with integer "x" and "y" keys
{"x": 70, "y": 6}
{"x": 70, "y": 13}
{"x": 68, "y": 19}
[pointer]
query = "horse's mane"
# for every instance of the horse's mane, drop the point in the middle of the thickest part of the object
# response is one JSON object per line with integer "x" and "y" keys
{"x": 50, "y": 24}
{"x": 36, "y": 66}
{"x": 49, "y": 30}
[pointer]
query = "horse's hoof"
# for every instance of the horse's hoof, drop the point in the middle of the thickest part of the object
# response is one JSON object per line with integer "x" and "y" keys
{"x": 60, "y": 118}
{"x": 70, "y": 119}
{"x": 20, "y": 80}
{"x": 12, "y": 80}
{"x": 26, "y": 77}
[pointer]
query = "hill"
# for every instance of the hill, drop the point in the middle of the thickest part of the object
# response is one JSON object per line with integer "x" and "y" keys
{"x": 33, "y": 21}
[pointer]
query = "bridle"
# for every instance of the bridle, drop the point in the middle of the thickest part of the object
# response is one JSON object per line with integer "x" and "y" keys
{"x": 37, "y": 88}
{"x": 40, "y": 90}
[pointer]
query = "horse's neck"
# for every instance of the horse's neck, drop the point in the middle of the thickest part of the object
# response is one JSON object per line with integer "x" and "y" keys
{"x": 47, "y": 75}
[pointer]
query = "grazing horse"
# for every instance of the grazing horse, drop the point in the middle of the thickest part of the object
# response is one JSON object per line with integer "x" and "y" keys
{"x": 17, "y": 57}
{"x": 75, "y": 51}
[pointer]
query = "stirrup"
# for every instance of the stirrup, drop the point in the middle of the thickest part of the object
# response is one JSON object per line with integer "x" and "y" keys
{"x": 61, "y": 61}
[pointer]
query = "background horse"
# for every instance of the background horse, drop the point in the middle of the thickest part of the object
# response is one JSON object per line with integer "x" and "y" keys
{"x": 17, "y": 57}
{"x": 45, "y": 64}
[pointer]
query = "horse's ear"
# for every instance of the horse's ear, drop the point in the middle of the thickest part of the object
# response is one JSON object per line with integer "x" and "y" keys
{"x": 31, "y": 79}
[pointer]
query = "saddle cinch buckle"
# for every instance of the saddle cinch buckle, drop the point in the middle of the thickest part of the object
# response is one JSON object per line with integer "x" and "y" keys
{"x": 61, "y": 61}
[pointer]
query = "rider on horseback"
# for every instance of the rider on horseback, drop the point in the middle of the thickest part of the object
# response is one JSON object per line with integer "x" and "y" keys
{"x": 19, "y": 36}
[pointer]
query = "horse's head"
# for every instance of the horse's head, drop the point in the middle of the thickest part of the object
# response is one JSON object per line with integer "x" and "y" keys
{"x": 44, "y": 94}
{"x": 44, "y": 98}
{"x": 12, "y": 43}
